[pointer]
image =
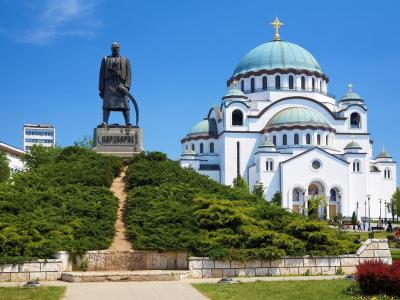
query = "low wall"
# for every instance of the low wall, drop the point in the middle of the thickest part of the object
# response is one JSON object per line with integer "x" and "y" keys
{"x": 203, "y": 267}
{"x": 42, "y": 269}
{"x": 104, "y": 260}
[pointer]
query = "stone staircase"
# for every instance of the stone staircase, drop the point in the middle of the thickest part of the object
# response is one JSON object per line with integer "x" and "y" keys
{"x": 145, "y": 275}
{"x": 120, "y": 262}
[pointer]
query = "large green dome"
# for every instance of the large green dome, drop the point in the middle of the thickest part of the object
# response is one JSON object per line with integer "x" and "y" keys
{"x": 207, "y": 126}
{"x": 277, "y": 55}
{"x": 298, "y": 116}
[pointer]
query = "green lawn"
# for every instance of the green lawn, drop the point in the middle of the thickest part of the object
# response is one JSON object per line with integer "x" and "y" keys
{"x": 395, "y": 254}
{"x": 279, "y": 290}
{"x": 40, "y": 293}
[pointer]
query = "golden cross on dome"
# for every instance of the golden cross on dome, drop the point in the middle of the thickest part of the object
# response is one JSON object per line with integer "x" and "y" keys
{"x": 350, "y": 88}
{"x": 277, "y": 24}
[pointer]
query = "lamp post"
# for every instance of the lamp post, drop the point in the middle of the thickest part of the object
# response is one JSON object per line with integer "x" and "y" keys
{"x": 365, "y": 213}
{"x": 385, "y": 210}
{"x": 357, "y": 211}
{"x": 369, "y": 212}
{"x": 339, "y": 204}
{"x": 380, "y": 209}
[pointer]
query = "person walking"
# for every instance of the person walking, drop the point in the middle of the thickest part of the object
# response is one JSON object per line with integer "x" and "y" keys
{"x": 359, "y": 225}
{"x": 389, "y": 227}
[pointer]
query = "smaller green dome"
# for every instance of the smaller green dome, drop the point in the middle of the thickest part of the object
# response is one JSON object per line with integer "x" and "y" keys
{"x": 234, "y": 92}
{"x": 298, "y": 116}
{"x": 207, "y": 126}
{"x": 384, "y": 154}
{"x": 352, "y": 145}
{"x": 189, "y": 152}
{"x": 350, "y": 95}
{"x": 267, "y": 144}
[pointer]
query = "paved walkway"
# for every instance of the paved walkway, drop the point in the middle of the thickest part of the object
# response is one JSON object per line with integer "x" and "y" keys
{"x": 132, "y": 291}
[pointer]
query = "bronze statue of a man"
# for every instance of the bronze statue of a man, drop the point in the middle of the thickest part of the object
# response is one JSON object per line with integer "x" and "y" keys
{"x": 114, "y": 85}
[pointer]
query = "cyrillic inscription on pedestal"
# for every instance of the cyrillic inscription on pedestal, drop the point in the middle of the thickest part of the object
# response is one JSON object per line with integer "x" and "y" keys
{"x": 118, "y": 141}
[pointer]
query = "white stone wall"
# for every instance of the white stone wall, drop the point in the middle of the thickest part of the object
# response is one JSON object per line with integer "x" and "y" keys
{"x": 42, "y": 269}
{"x": 203, "y": 267}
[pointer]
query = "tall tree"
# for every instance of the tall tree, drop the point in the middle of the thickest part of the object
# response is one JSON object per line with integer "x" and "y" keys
{"x": 258, "y": 190}
{"x": 4, "y": 168}
{"x": 395, "y": 203}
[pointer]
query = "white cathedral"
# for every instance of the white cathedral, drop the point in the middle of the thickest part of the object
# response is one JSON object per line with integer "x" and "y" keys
{"x": 278, "y": 125}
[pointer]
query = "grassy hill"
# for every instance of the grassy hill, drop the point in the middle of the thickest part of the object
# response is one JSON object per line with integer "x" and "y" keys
{"x": 61, "y": 203}
{"x": 170, "y": 208}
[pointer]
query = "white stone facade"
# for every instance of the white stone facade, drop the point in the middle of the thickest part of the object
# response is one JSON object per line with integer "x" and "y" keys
{"x": 313, "y": 143}
{"x": 13, "y": 155}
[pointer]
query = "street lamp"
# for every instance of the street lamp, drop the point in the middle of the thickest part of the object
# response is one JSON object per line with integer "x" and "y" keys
{"x": 365, "y": 213}
{"x": 380, "y": 209}
{"x": 385, "y": 210}
{"x": 357, "y": 211}
{"x": 369, "y": 212}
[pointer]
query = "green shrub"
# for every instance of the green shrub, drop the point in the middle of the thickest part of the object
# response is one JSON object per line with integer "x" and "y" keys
{"x": 170, "y": 208}
{"x": 61, "y": 203}
{"x": 4, "y": 169}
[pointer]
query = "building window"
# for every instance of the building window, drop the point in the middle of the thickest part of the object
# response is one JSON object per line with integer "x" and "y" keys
{"x": 296, "y": 139}
{"x": 308, "y": 139}
{"x": 274, "y": 140}
{"x": 269, "y": 165}
{"x": 313, "y": 84}
{"x": 284, "y": 139}
{"x": 316, "y": 164}
{"x": 333, "y": 195}
{"x": 186, "y": 147}
{"x": 296, "y": 195}
{"x": 201, "y": 148}
{"x": 252, "y": 85}
{"x": 211, "y": 147}
{"x": 278, "y": 82}
{"x": 265, "y": 83}
{"x": 291, "y": 83}
{"x": 387, "y": 174}
{"x": 356, "y": 166}
{"x": 242, "y": 85}
{"x": 193, "y": 147}
{"x": 355, "y": 120}
{"x": 319, "y": 139}
{"x": 327, "y": 140}
{"x": 320, "y": 85}
{"x": 237, "y": 117}
{"x": 303, "y": 83}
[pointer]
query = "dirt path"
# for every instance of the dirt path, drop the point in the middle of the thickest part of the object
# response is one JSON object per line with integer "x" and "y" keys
{"x": 120, "y": 243}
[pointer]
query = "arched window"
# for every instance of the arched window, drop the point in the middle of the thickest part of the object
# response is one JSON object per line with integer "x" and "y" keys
{"x": 193, "y": 147}
{"x": 296, "y": 139}
{"x": 327, "y": 140}
{"x": 265, "y": 83}
{"x": 269, "y": 165}
{"x": 308, "y": 139}
{"x": 291, "y": 83}
{"x": 242, "y": 85}
{"x": 274, "y": 140}
{"x": 318, "y": 139}
{"x": 320, "y": 85}
{"x": 211, "y": 147}
{"x": 387, "y": 174}
{"x": 284, "y": 139}
{"x": 237, "y": 117}
{"x": 355, "y": 120}
{"x": 187, "y": 147}
{"x": 296, "y": 195}
{"x": 313, "y": 84}
{"x": 303, "y": 83}
{"x": 278, "y": 82}
{"x": 356, "y": 166}
{"x": 252, "y": 85}
{"x": 201, "y": 148}
{"x": 333, "y": 195}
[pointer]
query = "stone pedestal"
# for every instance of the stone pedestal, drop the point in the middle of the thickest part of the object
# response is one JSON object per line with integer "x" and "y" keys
{"x": 118, "y": 141}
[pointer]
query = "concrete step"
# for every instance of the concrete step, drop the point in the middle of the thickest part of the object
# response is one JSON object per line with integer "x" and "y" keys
{"x": 148, "y": 275}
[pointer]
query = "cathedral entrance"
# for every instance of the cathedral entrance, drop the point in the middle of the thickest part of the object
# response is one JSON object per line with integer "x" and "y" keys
{"x": 314, "y": 189}
{"x": 334, "y": 202}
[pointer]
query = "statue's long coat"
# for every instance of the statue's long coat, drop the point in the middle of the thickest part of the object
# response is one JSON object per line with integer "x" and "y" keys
{"x": 114, "y": 71}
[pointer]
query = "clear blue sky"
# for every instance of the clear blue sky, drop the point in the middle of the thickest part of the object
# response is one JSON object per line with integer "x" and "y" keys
{"x": 182, "y": 53}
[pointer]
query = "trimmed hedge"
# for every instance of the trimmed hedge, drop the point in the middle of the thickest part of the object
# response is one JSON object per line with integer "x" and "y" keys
{"x": 170, "y": 208}
{"x": 62, "y": 203}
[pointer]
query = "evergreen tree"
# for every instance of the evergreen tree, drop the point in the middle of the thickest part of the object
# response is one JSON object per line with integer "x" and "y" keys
{"x": 277, "y": 199}
{"x": 258, "y": 190}
{"x": 395, "y": 201}
{"x": 240, "y": 183}
{"x": 4, "y": 168}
